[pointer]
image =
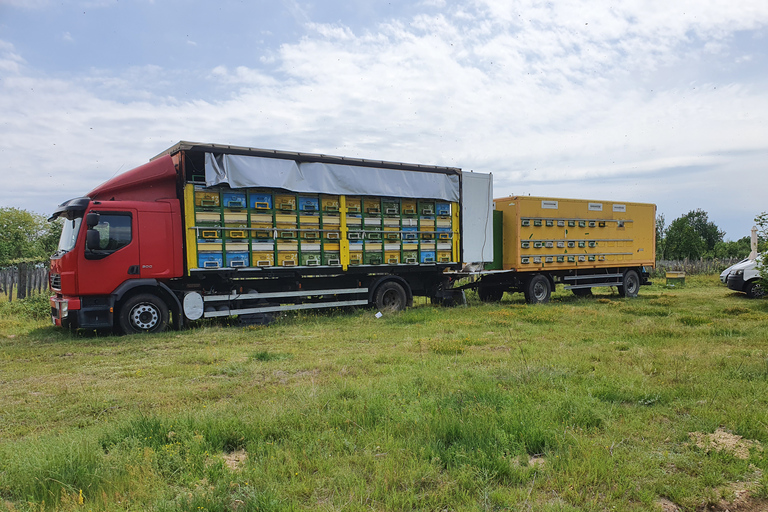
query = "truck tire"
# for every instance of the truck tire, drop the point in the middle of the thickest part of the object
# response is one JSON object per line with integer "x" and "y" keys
{"x": 489, "y": 293}
{"x": 390, "y": 297}
{"x": 754, "y": 290}
{"x": 631, "y": 285}
{"x": 143, "y": 313}
{"x": 582, "y": 292}
{"x": 538, "y": 290}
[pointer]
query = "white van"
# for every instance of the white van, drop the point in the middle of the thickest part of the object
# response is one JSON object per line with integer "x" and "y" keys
{"x": 725, "y": 273}
{"x": 745, "y": 277}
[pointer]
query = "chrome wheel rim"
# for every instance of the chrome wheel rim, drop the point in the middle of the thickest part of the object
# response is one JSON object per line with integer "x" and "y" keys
{"x": 144, "y": 316}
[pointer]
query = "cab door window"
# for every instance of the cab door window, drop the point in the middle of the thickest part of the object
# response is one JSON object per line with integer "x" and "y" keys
{"x": 114, "y": 232}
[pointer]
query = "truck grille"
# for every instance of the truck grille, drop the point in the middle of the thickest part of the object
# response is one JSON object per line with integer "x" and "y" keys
{"x": 56, "y": 282}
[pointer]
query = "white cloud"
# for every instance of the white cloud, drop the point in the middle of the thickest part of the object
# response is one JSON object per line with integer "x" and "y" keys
{"x": 568, "y": 98}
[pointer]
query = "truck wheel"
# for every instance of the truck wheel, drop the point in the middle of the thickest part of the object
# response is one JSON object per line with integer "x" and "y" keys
{"x": 489, "y": 293}
{"x": 631, "y": 284}
{"x": 538, "y": 290}
{"x": 754, "y": 290}
{"x": 390, "y": 297}
{"x": 143, "y": 313}
{"x": 582, "y": 292}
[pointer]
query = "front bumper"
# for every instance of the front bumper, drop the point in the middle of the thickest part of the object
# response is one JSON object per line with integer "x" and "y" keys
{"x": 736, "y": 282}
{"x": 82, "y": 312}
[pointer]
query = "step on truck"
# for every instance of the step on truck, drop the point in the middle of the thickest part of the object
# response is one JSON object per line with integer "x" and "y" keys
{"x": 542, "y": 241}
{"x": 206, "y": 231}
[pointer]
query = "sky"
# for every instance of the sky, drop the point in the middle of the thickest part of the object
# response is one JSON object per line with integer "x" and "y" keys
{"x": 652, "y": 101}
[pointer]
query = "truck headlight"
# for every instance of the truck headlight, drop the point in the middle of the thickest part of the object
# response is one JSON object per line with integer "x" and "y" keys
{"x": 64, "y": 308}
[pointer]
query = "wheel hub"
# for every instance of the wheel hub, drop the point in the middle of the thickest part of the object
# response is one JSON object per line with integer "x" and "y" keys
{"x": 144, "y": 316}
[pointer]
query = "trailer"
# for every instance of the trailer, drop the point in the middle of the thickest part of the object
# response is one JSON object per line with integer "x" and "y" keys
{"x": 582, "y": 244}
{"x": 207, "y": 230}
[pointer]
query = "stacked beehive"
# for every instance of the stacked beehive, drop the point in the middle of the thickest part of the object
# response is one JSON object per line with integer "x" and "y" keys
{"x": 266, "y": 228}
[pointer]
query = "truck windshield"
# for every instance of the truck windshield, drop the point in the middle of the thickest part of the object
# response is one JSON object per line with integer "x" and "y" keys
{"x": 69, "y": 234}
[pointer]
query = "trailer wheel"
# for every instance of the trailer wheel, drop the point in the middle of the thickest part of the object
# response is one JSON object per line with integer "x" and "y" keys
{"x": 390, "y": 297}
{"x": 538, "y": 290}
{"x": 631, "y": 284}
{"x": 582, "y": 292}
{"x": 143, "y": 313}
{"x": 490, "y": 293}
{"x": 754, "y": 290}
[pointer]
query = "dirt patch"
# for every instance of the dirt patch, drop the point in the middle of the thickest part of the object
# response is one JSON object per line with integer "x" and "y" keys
{"x": 235, "y": 460}
{"x": 667, "y": 506}
{"x": 722, "y": 441}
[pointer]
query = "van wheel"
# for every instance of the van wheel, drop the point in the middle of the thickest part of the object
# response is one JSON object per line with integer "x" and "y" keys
{"x": 143, "y": 313}
{"x": 631, "y": 285}
{"x": 390, "y": 297}
{"x": 754, "y": 290}
{"x": 538, "y": 290}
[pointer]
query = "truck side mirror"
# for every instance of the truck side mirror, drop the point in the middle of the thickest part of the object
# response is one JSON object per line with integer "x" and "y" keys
{"x": 92, "y": 238}
{"x": 92, "y": 219}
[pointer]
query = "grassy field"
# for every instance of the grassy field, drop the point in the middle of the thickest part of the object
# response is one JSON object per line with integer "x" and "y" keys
{"x": 655, "y": 403}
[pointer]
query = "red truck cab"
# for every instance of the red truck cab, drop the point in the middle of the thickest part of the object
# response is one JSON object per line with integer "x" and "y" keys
{"x": 123, "y": 238}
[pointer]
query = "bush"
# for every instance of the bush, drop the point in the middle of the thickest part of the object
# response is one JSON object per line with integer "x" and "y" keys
{"x": 35, "y": 307}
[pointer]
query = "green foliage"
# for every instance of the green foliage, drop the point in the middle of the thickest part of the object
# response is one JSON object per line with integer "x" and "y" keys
{"x": 26, "y": 235}
{"x": 691, "y": 236}
{"x": 739, "y": 249}
{"x": 661, "y": 241}
{"x": 34, "y": 307}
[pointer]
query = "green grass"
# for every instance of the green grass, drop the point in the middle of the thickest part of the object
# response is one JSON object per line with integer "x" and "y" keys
{"x": 581, "y": 404}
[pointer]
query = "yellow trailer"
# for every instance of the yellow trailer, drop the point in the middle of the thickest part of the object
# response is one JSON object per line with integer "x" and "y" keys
{"x": 582, "y": 244}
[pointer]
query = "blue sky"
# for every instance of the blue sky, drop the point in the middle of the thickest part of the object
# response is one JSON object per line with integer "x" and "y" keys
{"x": 649, "y": 101}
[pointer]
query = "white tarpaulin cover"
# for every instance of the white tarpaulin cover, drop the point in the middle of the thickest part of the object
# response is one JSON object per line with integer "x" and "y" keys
{"x": 240, "y": 171}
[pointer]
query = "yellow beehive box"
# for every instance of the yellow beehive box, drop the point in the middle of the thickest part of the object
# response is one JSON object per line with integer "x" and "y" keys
{"x": 263, "y": 259}
{"x": 408, "y": 206}
{"x": 207, "y": 217}
{"x": 236, "y": 218}
{"x": 285, "y": 202}
{"x": 554, "y": 233}
{"x": 329, "y": 203}
{"x": 331, "y": 227}
{"x": 354, "y": 204}
{"x": 207, "y": 198}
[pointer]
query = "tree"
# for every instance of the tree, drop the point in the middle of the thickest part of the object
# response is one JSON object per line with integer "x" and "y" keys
{"x": 682, "y": 241}
{"x": 692, "y": 236}
{"x": 660, "y": 239}
{"x": 739, "y": 249}
{"x": 26, "y": 235}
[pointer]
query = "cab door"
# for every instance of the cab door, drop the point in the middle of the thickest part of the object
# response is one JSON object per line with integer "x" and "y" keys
{"x": 116, "y": 259}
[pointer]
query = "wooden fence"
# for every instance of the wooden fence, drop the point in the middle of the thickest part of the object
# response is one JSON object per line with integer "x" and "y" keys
{"x": 690, "y": 267}
{"x": 24, "y": 279}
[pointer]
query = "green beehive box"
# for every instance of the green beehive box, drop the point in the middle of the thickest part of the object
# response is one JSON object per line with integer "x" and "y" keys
{"x": 309, "y": 259}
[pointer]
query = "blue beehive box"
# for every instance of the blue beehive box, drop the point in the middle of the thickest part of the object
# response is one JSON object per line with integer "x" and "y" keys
{"x": 261, "y": 201}
{"x": 309, "y": 204}
{"x": 237, "y": 259}
{"x": 210, "y": 260}
{"x": 410, "y": 233}
{"x": 442, "y": 209}
{"x": 427, "y": 256}
{"x": 444, "y": 233}
{"x": 232, "y": 199}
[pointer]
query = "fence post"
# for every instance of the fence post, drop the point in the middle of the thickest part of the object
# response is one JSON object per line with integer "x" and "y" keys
{"x": 21, "y": 286}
